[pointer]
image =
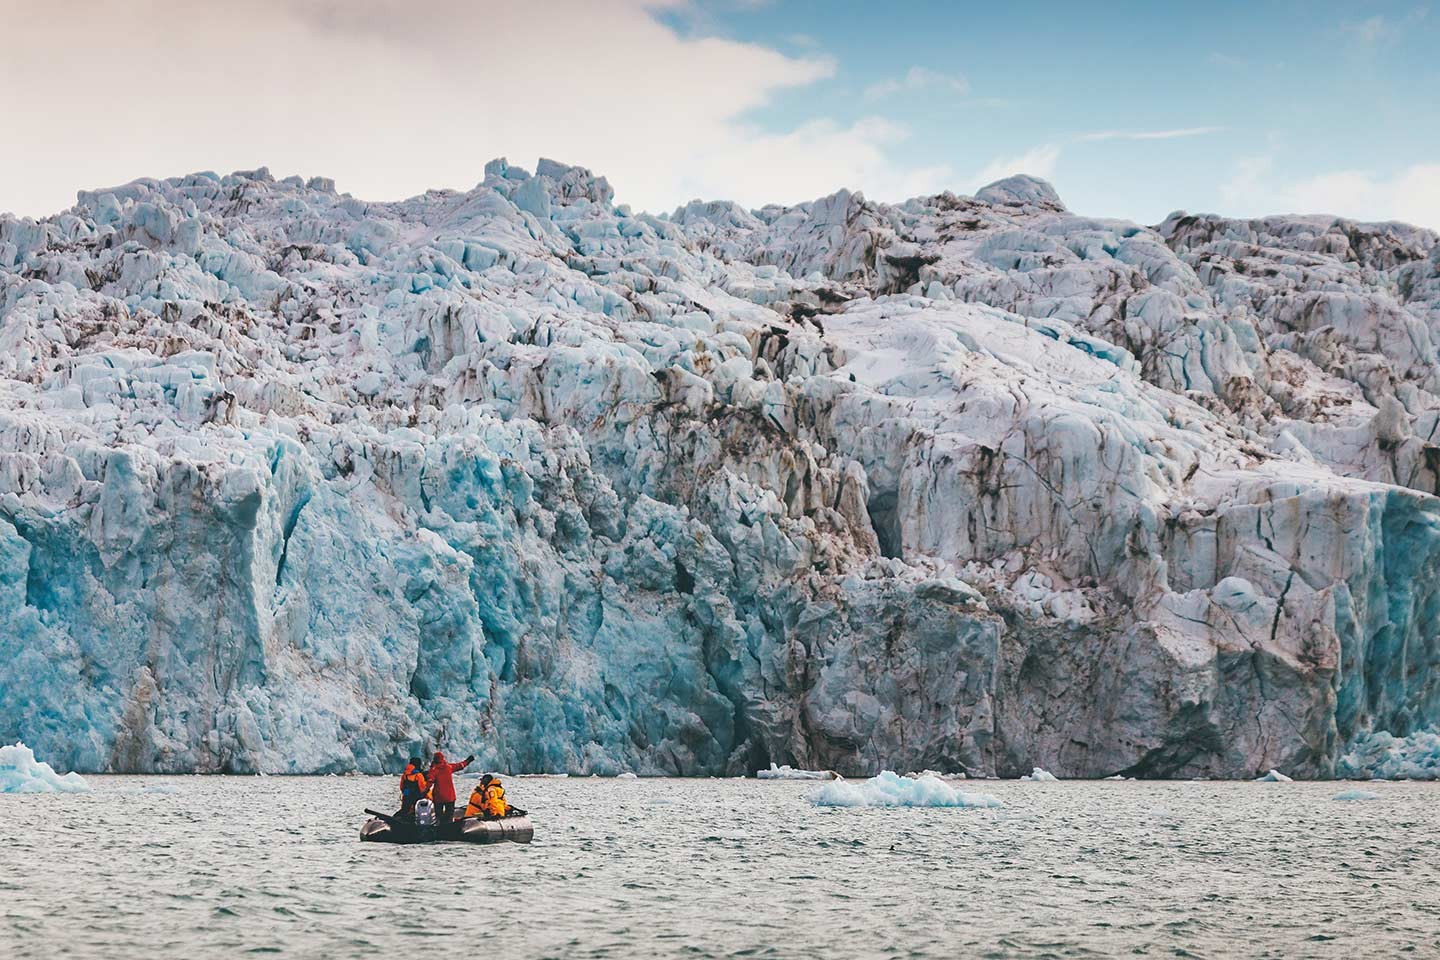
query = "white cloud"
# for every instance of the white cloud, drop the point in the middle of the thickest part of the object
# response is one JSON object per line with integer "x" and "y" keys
{"x": 1411, "y": 194}
{"x": 1150, "y": 134}
{"x": 915, "y": 80}
{"x": 856, "y": 156}
{"x": 1370, "y": 31}
{"x": 389, "y": 102}
{"x": 1378, "y": 30}
{"x": 1037, "y": 162}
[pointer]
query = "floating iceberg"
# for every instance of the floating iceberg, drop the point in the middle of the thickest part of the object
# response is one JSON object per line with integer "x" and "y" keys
{"x": 892, "y": 790}
{"x": 939, "y": 774}
{"x": 1274, "y": 776}
{"x": 788, "y": 772}
{"x": 20, "y": 772}
{"x": 1356, "y": 795}
{"x": 1038, "y": 775}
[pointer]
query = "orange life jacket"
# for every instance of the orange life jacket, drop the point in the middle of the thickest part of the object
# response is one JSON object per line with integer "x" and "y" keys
{"x": 487, "y": 801}
{"x": 495, "y": 804}
{"x": 412, "y": 783}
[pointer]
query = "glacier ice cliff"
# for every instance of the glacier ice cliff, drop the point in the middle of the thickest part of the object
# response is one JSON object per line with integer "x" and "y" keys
{"x": 293, "y": 482}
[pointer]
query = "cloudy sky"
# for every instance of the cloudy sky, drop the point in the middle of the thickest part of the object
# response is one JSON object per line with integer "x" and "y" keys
{"x": 1132, "y": 109}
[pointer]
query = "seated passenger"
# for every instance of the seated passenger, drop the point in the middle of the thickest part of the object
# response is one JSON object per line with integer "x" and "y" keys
{"x": 487, "y": 800}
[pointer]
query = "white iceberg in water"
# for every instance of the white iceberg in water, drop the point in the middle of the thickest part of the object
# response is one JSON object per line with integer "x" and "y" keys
{"x": 1039, "y": 775}
{"x": 1356, "y": 795}
{"x": 20, "y": 772}
{"x": 788, "y": 772}
{"x": 1274, "y": 776}
{"x": 892, "y": 790}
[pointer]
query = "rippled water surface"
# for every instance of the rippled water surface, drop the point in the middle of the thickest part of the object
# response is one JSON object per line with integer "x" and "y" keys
{"x": 224, "y": 866}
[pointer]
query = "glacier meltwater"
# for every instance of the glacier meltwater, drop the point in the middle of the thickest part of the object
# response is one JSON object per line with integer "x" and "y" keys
{"x": 294, "y": 482}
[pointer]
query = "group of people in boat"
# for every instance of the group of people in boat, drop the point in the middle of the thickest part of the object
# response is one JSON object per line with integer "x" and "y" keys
{"x": 437, "y": 784}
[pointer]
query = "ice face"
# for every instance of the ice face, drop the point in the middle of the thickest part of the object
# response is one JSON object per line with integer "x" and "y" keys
{"x": 20, "y": 772}
{"x": 1383, "y": 756}
{"x": 892, "y": 790}
{"x": 291, "y": 482}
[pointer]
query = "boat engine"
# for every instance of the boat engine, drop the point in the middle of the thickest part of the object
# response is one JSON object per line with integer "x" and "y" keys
{"x": 424, "y": 813}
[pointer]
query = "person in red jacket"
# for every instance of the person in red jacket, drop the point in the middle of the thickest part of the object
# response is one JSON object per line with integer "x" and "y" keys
{"x": 442, "y": 785}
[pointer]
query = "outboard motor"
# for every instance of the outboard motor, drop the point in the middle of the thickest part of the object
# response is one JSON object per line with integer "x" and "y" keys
{"x": 424, "y": 813}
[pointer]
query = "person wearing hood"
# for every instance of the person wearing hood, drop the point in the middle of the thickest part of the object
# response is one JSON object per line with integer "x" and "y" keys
{"x": 442, "y": 785}
{"x": 488, "y": 799}
{"x": 412, "y": 788}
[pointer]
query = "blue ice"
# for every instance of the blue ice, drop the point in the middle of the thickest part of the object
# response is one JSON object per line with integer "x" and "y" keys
{"x": 892, "y": 790}
{"x": 20, "y": 772}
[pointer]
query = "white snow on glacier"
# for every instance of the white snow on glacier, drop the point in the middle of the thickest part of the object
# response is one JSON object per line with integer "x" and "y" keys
{"x": 292, "y": 482}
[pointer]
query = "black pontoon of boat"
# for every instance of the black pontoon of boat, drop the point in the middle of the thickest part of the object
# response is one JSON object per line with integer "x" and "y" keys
{"x": 384, "y": 828}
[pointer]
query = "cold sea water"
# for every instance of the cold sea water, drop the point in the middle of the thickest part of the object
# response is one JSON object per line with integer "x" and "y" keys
{"x": 159, "y": 867}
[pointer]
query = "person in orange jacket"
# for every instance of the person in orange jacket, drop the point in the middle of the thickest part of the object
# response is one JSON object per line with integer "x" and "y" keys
{"x": 488, "y": 799}
{"x": 442, "y": 785}
{"x": 412, "y": 788}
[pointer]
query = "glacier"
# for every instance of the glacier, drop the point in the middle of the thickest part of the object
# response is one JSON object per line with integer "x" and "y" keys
{"x": 292, "y": 482}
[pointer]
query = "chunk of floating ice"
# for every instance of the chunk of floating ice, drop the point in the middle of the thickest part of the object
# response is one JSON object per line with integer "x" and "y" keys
{"x": 1274, "y": 776}
{"x": 20, "y": 772}
{"x": 892, "y": 790}
{"x": 790, "y": 773}
{"x": 1040, "y": 776}
{"x": 937, "y": 773}
{"x": 627, "y": 775}
{"x": 1356, "y": 795}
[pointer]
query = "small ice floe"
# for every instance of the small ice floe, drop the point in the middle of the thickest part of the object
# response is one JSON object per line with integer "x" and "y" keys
{"x": 20, "y": 772}
{"x": 1356, "y": 795}
{"x": 937, "y": 773}
{"x": 892, "y": 790}
{"x": 1039, "y": 775}
{"x": 1274, "y": 776}
{"x": 788, "y": 772}
{"x": 627, "y": 775}
{"x": 150, "y": 788}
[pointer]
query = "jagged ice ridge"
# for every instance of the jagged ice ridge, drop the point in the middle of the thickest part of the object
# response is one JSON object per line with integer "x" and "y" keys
{"x": 292, "y": 482}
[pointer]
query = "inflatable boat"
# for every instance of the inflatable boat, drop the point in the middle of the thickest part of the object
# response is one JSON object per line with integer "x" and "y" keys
{"x": 383, "y": 828}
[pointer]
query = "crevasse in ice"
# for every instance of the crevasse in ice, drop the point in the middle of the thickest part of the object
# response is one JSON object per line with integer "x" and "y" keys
{"x": 293, "y": 482}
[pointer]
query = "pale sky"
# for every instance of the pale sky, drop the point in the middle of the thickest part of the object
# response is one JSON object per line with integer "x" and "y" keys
{"x": 1132, "y": 109}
